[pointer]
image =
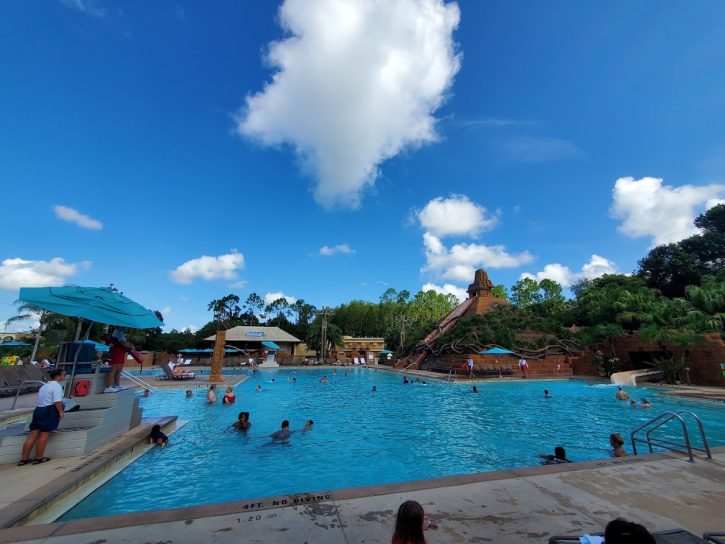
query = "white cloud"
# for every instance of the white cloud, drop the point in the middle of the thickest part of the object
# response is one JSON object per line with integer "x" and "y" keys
{"x": 241, "y": 284}
{"x": 355, "y": 83}
{"x": 269, "y": 298}
{"x": 209, "y": 268}
{"x": 662, "y": 212}
{"x": 455, "y": 215}
{"x": 536, "y": 149}
{"x": 596, "y": 267}
{"x": 460, "y": 262}
{"x": 89, "y": 7}
{"x": 165, "y": 311}
{"x": 74, "y": 216}
{"x": 328, "y": 251}
{"x": 460, "y": 293}
{"x": 16, "y": 273}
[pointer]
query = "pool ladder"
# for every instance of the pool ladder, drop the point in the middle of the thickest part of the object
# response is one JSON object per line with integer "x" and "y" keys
{"x": 137, "y": 381}
{"x": 685, "y": 447}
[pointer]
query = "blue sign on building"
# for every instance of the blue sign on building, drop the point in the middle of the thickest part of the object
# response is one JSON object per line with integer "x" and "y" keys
{"x": 254, "y": 333}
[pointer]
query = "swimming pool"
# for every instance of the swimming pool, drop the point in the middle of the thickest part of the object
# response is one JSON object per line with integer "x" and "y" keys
{"x": 400, "y": 433}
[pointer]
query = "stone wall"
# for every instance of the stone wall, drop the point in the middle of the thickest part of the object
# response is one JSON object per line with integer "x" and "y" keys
{"x": 704, "y": 358}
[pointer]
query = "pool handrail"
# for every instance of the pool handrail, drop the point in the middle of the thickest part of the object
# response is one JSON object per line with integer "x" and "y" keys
{"x": 660, "y": 420}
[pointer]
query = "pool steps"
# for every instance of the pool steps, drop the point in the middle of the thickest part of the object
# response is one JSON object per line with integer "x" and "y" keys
{"x": 101, "y": 418}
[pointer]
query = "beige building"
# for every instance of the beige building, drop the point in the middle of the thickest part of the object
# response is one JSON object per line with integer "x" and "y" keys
{"x": 368, "y": 347}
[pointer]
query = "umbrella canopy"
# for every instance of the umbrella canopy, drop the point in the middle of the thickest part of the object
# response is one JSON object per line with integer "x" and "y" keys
{"x": 385, "y": 352}
{"x": 98, "y": 304}
{"x": 98, "y": 346}
{"x": 497, "y": 351}
{"x": 189, "y": 350}
{"x": 13, "y": 344}
{"x": 270, "y": 345}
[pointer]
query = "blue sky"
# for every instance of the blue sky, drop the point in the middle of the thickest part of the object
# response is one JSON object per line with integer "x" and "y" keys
{"x": 186, "y": 150}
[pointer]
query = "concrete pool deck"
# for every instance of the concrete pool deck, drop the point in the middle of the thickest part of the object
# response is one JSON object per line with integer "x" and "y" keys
{"x": 662, "y": 491}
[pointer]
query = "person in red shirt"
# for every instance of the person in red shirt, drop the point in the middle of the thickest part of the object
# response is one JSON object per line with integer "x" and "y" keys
{"x": 229, "y": 396}
{"x": 119, "y": 348}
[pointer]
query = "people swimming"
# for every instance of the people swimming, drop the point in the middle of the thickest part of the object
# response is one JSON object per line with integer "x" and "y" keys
{"x": 405, "y": 379}
{"x": 324, "y": 379}
{"x": 558, "y": 457}
{"x": 617, "y": 443}
{"x": 474, "y": 390}
{"x": 283, "y": 434}
{"x": 374, "y": 389}
{"x": 258, "y": 388}
{"x": 633, "y": 403}
{"x": 644, "y": 403}
{"x": 621, "y": 393}
{"x": 211, "y": 394}
{"x": 242, "y": 424}
{"x": 157, "y": 437}
{"x": 189, "y": 393}
{"x": 308, "y": 425}
{"x": 547, "y": 395}
{"x": 229, "y": 396}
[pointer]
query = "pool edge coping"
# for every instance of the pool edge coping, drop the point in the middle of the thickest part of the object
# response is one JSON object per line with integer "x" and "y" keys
{"x": 26, "y": 506}
{"x": 82, "y": 526}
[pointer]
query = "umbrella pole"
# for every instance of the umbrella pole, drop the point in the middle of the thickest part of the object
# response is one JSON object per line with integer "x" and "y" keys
{"x": 78, "y": 329}
{"x": 37, "y": 342}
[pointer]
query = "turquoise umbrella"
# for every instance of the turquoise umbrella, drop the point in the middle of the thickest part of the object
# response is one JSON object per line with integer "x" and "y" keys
{"x": 99, "y": 304}
{"x": 13, "y": 344}
{"x": 497, "y": 351}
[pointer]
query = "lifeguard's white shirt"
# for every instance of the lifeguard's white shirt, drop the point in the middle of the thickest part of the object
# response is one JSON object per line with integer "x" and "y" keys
{"x": 49, "y": 394}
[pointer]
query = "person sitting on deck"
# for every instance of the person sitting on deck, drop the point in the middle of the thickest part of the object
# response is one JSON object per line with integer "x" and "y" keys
{"x": 409, "y": 524}
{"x": 157, "y": 437}
{"x": 558, "y": 457}
{"x": 621, "y": 531}
{"x": 229, "y": 396}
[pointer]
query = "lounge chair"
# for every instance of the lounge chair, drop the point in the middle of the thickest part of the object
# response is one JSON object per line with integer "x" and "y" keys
{"x": 673, "y": 536}
{"x": 714, "y": 538}
{"x": 13, "y": 379}
{"x": 37, "y": 373}
{"x": 169, "y": 374}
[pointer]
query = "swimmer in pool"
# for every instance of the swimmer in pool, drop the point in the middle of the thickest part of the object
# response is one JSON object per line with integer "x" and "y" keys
{"x": 558, "y": 457}
{"x": 621, "y": 393}
{"x": 616, "y": 441}
{"x": 283, "y": 434}
{"x": 644, "y": 403}
{"x": 546, "y": 394}
{"x": 374, "y": 389}
{"x": 258, "y": 388}
{"x": 474, "y": 390}
{"x": 189, "y": 394}
{"x": 242, "y": 424}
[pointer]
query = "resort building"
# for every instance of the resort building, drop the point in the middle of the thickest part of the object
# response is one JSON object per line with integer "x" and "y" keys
{"x": 359, "y": 347}
{"x": 254, "y": 339}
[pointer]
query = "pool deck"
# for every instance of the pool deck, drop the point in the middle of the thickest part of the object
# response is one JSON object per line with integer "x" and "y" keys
{"x": 662, "y": 491}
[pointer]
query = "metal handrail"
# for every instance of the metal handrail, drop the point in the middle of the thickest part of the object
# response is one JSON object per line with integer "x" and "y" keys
{"x": 17, "y": 393}
{"x": 137, "y": 380}
{"x": 664, "y": 418}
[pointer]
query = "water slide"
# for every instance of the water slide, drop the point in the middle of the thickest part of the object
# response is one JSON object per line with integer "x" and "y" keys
{"x": 422, "y": 349}
{"x": 631, "y": 377}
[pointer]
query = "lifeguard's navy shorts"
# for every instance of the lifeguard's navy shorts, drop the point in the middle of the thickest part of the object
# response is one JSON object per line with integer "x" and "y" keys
{"x": 45, "y": 419}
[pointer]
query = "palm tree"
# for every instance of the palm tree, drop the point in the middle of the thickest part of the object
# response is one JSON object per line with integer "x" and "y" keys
{"x": 225, "y": 309}
{"x": 26, "y": 311}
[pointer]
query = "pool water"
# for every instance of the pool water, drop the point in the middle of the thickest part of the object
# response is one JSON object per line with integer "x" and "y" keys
{"x": 400, "y": 433}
